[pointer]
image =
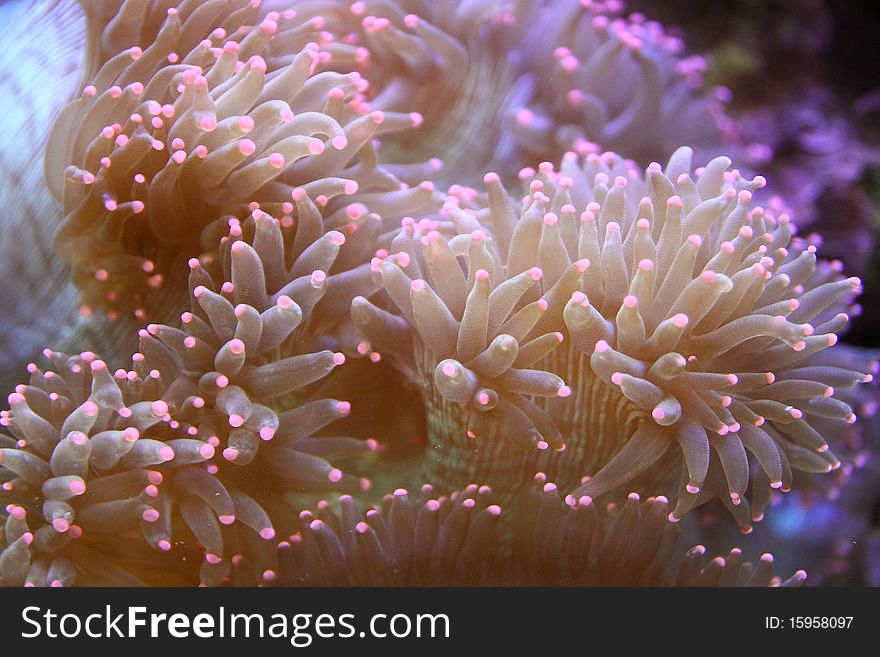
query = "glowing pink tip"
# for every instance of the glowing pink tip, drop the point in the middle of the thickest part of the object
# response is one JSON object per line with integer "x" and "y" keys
{"x": 159, "y": 408}
{"x": 617, "y": 378}
{"x": 338, "y": 358}
{"x": 680, "y": 320}
{"x": 658, "y": 414}
{"x": 150, "y": 515}
{"x": 236, "y": 346}
{"x": 77, "y": 487}
{"x": 449, "y": 369}
{"x": 334, "y": 475}
{"x": 230, "y": 454}
{"x": 535, "y": 273}
{"x": 601, "y": 347}
{"x": 166, "y": 453}
{"x": 481, "y": 275}
{"x": 60, "y": 525}
{"x": 418, "y": 285}
{"x": 343, "y": 407}
{"x": 276, "y": 160}
{"x": 247, "y": 147}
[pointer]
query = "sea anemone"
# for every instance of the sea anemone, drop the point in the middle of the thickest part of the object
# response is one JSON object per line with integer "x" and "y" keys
{"x": 91, "y": 452}
{"x": 219, "y": 109}
{"x": 466, "y": 538}
{"x": 587, "y": 75}
{"x": 675, "y": 312}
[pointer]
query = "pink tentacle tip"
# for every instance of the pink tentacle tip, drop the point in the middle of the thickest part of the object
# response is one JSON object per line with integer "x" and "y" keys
{"x": 267, "y": 533}
{"x": 338, "y": 358}
{"x": 159, "y": 408}
{"x": 481, "y": 275}
{"x": 206, "y": 451}
{"x": 418, "y": 285}
{"x": 166, "y": 453}
{"x": 230, "y": 454}
{"x": 150, "y": 515}
{"x": 246, "y": 147}
{"x": 334, "y": 475}
{"x": 77, "y": 487}
{"x": 343, "y": 407}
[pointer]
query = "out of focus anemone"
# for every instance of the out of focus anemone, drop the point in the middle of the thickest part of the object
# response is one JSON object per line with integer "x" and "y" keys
{"x": 676, "y": 313}
{"x": 585, "y": 74}
{"x": 191, "y": 113}
{"x": 467, "y": 538}
{"x": 817, "y": 156}
{"x": 81, "y": 478}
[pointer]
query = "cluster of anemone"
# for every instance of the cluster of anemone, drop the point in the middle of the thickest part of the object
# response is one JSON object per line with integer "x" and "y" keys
{"x": 614, "y": 332}
{"x": 616, "y": 317}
